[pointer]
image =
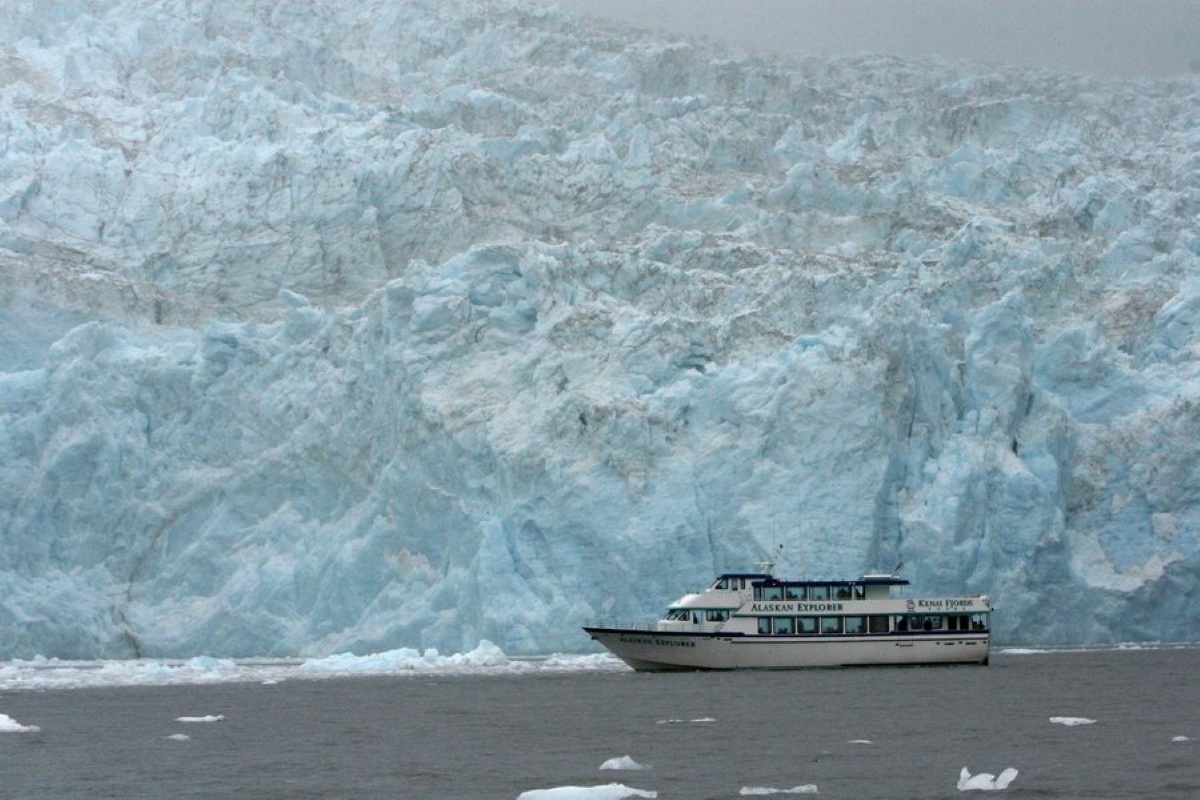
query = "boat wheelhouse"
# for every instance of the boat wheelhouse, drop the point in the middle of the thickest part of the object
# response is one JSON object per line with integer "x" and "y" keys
{"x": 757, "y": 621}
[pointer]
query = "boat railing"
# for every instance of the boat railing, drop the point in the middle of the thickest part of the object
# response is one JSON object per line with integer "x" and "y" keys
{"x": 625, "y": 625}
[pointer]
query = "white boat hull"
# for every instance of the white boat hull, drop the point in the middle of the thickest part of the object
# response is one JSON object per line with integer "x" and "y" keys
{"x": 651, "y": 651}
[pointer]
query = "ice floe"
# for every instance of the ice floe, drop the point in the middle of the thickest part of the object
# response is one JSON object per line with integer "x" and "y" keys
{"x": 1180, "y": 739}
{"x": 624, "y": 762}
{"x": 701, "y": 720}
{"x": 808, "y": 788}
{"x": 10, "y": 725}
{"x": 206, "y": 718}
{"x": 1072, "y": 721}
{"x": 985, "y": 781}
{"x": 860, "y": 741}
{"x": 609, "y": 791}
{"x": 178, "y": 737}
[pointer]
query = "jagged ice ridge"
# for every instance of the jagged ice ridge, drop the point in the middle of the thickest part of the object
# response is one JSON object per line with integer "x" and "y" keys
{"x": 377, "y": 324}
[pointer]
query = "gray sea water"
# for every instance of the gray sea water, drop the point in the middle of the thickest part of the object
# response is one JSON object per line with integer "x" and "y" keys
{"x": 853, "y": 733}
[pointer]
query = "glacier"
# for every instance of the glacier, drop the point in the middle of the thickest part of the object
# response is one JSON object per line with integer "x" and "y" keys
{"x": 357, "y": 326}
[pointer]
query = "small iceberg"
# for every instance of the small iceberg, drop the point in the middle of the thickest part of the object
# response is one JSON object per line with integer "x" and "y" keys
{"x": 609, "y": 791}
{"x": 985, "y": 781}
{"x": 209, "y": 718}
{"x": 10, "y": 725}
{"x": 808, "y": 788}
{"x": 178, "y": 737}
{"x": 1180, "y": 739}
{"x": 1072, "y": 720}
{"x": 624, "y": 762}
{"x": 685, "y": 721}
{"x": 860, "y": 741}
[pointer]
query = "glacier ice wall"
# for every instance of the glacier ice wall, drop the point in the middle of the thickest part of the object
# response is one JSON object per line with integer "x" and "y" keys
{"x": 357, "y": 325}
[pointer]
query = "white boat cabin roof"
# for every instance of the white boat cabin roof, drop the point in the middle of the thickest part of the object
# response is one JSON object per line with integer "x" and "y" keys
{"x": 763, "y": 579}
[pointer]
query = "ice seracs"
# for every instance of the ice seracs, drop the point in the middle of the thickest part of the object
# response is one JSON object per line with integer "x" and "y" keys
{"x": 414, "y": 323}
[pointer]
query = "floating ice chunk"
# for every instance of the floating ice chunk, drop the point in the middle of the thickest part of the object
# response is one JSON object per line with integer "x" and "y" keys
{"x": 1180, "y": 739}
{"x": 808, "y": 788}
{"x": 208, "y": 718}
{"x": 624, "y": 762}
{"x": 406, "y": 658}
{"x": 860, "y": 741}
{"x": 178, "y": 737}
{"x": 609, "y": 791}
{"x": 685, "y": 721}
{"x": 985, "y": 781}
{"x": 10, "y": 725}
{"x": 208, "y": 662}
{"x": 1072, "y": 720}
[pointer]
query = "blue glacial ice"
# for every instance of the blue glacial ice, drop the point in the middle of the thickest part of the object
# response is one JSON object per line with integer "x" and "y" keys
{"x": 366, "y": 325}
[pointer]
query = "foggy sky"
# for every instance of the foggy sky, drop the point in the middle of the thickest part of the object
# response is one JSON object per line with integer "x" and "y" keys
{"x": 1129, "y": 38}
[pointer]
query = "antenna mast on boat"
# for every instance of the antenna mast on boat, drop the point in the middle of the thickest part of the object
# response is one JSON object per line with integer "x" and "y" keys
{"x": 768, "y": 566}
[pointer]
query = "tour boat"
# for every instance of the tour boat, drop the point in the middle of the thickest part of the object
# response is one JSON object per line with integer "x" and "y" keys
{"x": 757, "y": 621}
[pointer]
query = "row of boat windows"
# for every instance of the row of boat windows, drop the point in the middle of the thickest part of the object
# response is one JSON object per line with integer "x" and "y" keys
{"x": 815, "y": 592}
{"x": 871, "y": 623}
{"x": 710, "y": 615}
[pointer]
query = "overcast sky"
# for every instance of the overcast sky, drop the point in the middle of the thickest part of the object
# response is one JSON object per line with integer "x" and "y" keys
{"x": 1106, "y": 37}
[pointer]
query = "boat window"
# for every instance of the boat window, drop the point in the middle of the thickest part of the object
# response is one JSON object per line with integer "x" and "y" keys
{"x": 933, "y": 622}
{"x": 842, "y": 592}
{"x": 793, "y": 593}
{"x": 978, "y": 622}
{"x": 831, "y": 624}
{"x": 764, "y": 624}
{"x": 806, "y": 624}
{"x": 818, "y": 593}
{"x": 772, "y": 593}
{"x": 860, "y": 591}
{"x": 902, "y": 623}
{"x": 856, "y": 624}
{"x": 878, "y": 623}
{"x": 715, "y": 615}
{"x": 785, "y": 626}
{"x": 677, "y": 615}
{"x": 722, "y": 584}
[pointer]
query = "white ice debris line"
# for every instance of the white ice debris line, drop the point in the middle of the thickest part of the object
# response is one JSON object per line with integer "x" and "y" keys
{"x": 1072, "y": 721}
{"x": 486, "y": 659}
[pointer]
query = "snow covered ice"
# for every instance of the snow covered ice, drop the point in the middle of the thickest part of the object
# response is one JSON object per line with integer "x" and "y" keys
{"x": 378, "y": 324}
{"x": 1072, "y": 721}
